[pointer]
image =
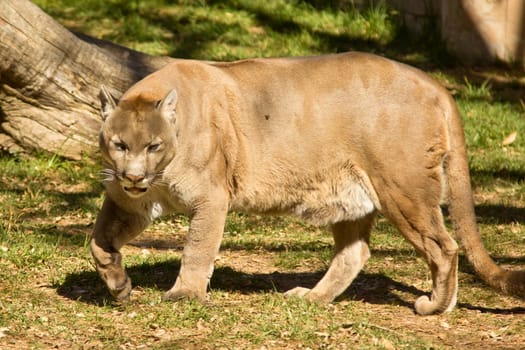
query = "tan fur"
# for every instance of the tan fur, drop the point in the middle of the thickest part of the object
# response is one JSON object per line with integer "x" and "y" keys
{"x": 334, "y": 139}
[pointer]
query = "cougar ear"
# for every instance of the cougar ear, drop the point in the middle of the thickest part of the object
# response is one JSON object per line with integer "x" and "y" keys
{"x": 168, "y": 105}
{"x": 107, "y": 102}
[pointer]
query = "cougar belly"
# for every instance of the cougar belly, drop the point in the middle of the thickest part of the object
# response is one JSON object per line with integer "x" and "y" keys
{"x": 334, "y": 194}
{"x": 331, "y": 202}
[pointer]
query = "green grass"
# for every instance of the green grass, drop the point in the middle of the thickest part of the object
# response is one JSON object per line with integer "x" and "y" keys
{"x": 229, "y": 29}
{"x": 51, "y": 296}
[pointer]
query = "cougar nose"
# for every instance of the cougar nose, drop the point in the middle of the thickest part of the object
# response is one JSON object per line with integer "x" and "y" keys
{"x": 134, "y": 178}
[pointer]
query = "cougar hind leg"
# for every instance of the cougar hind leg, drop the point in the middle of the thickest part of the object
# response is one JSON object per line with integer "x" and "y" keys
{"x": 351, "y": 253}
{"x": 424, "y": 228}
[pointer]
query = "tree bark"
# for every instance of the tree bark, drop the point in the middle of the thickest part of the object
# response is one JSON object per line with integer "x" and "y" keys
{"x": 50, "y": 78}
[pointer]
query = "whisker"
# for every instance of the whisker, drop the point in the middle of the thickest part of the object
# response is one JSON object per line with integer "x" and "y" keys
{"x": 158, "y": 179}
{"x": 107, "y": 175}
{"x": 159, "y": 184}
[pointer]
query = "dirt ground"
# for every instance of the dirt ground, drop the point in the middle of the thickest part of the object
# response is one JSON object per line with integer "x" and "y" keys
{"x": 475, "y": 324}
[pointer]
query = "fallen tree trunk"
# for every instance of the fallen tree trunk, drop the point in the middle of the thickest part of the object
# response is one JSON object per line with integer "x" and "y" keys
{"x": 50, "y": 78}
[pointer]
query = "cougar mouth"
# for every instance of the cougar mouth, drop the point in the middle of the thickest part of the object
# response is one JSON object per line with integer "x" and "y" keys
{"x": 135, "y": 191}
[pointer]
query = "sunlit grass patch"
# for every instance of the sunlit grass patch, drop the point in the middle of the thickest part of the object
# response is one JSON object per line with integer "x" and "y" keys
{"x": 224, "y": 30}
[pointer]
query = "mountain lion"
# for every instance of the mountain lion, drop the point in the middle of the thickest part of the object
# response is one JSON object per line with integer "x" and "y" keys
{"x": 334, "y": 139}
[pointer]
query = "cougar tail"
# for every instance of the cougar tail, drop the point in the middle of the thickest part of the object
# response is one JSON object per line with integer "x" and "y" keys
{"x": 461, "y": 209}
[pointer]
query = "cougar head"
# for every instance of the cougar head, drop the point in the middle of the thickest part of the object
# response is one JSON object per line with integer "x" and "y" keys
{"x": 137, "y": 140}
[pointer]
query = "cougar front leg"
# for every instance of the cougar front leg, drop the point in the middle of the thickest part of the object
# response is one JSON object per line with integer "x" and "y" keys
{"x": 114, "y": 228}
{"x": 201, "y": 248}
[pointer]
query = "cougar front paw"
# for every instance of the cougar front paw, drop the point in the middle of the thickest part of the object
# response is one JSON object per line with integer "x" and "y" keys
{"x": 183, "y": 294}
{"x": 123, "y": 292}
{"x": 118, "y": 282}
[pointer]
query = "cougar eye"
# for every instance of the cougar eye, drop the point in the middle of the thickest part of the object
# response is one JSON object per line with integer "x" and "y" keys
{"x": 154, "y": 147}
{"x": 120, "y": 146}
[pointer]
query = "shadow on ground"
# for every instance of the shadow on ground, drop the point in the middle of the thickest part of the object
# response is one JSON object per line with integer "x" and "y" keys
{"x": 370, "y": 288}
